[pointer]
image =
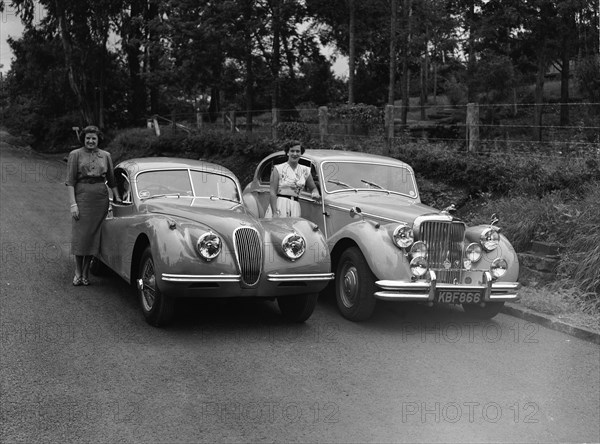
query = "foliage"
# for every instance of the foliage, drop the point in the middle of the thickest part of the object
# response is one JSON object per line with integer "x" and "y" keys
{"x": 587, "y": 73}
{"x": 367, "y": 115}
{"x": 293, "y": 130}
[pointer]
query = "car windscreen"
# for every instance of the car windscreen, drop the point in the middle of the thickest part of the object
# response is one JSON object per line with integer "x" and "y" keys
{"x": 165, "y": 182}
{"x": 186, "y": 183}
{"x": 214, "y": 185}
{"x": 356, "y": 176}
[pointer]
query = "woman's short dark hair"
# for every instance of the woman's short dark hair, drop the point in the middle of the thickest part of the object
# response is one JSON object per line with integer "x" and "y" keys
{"x": 91, "y": 129}
{"x": 292, "y": 143}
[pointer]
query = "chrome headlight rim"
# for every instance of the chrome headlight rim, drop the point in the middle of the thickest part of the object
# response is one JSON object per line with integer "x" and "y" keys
{"x": 499, "y": 267}
{"x": 419, "y": 249}
{"x": 418, "y": 266}
{"x": 489, "y": 239}
{"x": 209, "y": 246}
{"x": 473, "y": 252}
{"x": 293, "y": 246}
{"x": 403, "y": 236}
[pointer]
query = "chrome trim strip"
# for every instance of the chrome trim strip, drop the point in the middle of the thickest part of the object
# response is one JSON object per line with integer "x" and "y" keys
{"x": 201, "y": 277}
{"x": 274, "y": 277}
{"x": 372, "y": 216}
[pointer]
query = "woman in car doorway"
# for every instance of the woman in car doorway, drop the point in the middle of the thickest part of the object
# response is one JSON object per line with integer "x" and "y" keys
{"x": 287, "y": 180}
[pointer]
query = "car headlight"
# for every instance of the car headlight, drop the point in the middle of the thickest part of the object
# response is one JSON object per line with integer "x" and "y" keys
{"x": 473, "y": 252}
{"x": 499, "y": 267}
{"x": 418, "y": 266}
{"x": 293, "y": 246}
{"x": 489, "y": 239}
{"x": 209, "y": 246}
{"x": 403, "y": 236}
{"x": 419, "y": 249}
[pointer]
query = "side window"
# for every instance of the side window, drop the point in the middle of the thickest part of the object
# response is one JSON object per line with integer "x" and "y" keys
{"x": 267, "y": 168}
{"x": 313, "y": 172}
{"x": 123, "y": 185}
{"x": 265, "y": 173}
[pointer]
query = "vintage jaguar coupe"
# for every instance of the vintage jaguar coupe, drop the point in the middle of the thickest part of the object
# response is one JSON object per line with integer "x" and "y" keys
{"x": 385, "y": 244}
{"x": 182, "y": 231}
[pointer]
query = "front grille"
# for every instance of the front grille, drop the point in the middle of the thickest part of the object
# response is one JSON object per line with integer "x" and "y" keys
{"x": 248, "y": 250}
{"x": 445, "y": 242}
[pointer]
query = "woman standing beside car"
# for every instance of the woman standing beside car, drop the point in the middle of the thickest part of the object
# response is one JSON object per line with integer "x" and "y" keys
{"x": 287, "y": 180}
{"x": 89, "y": 170}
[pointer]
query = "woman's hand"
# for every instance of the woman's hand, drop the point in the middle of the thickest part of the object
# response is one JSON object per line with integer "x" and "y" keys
{"x": 315, "y": 195}
{"x": 75, "y": 211}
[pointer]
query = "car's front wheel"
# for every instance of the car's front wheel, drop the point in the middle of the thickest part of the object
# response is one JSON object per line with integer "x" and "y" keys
{"x": 490, "y": 310}
{"x": 354, "y": 286}
{"x": 298, "y": 308}
{"x": 157, "y": 308}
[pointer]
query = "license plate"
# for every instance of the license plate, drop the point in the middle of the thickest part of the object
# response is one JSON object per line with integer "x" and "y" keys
{"x": 458, "y": 297}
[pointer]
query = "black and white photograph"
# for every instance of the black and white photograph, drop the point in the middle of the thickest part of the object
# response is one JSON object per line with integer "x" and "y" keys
{"x": 299, "y": 221}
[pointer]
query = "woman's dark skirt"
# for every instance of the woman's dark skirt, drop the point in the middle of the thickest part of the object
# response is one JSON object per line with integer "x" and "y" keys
{"x": 92, "y": 200}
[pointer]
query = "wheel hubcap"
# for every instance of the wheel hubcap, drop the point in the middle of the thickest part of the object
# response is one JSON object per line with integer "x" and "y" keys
{"x": 148, "y": 291}
{"x": 349, "y": 287}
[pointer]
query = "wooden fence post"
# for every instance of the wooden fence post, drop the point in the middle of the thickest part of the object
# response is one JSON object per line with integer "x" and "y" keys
{"x": 199, "y": 120}
{"x": 323, "y": 123}
{"x": 274, "y": 123}
{"x": 156, "y": 126}
{"x": 472, "y": 127}
{"x": 389, "y": 126}
{"x": 232, "y": 118}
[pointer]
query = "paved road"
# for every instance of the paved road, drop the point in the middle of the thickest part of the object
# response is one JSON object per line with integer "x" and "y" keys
{"x": 81, "y": 365}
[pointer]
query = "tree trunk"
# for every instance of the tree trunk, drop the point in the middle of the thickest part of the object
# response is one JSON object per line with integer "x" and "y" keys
{"x": 394, "y": 6}
{"x": 132, "y": 37}
{"x": 275, "y": 65}
{"x": 539, "y": 98}
{"x": 406, "y": 17}
{"x": 351, "y": 52}
{"x": 471, "y": 61}
{"x": 249, "y": 67}
{"x": 76, "y": 77}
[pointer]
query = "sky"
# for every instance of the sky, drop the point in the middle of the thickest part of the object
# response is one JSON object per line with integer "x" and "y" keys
{"x": 10, "y": 26}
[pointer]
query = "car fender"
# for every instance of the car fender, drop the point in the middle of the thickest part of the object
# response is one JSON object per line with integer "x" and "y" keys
{"x": 385, "y": 259}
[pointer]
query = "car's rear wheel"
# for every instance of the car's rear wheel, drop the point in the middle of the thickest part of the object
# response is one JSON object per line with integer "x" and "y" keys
{"x": 158, "y": 309}
{"x": 490, "y": 310}
{"x": 354, "y": 286}
{"x": 298, "y": 308}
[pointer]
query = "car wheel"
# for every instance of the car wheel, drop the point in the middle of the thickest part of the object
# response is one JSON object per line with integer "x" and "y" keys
{"x": 97, "y": 267}
{"x": 490, "y": 310}
{"x": 157, "y": 308}
{"x": 298, "y": 308}
{"x": 354, "y": 286}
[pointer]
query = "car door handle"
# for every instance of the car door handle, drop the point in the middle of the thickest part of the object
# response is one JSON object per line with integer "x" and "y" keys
{"x": 326, "y": 213}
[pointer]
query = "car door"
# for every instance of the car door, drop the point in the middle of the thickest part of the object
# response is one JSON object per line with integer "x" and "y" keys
{"x": 309, "y": 208}
{"x": 117, "y": 239}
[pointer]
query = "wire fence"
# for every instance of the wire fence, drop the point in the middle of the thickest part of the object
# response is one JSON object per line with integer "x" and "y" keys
{"x": 544, "y": 130}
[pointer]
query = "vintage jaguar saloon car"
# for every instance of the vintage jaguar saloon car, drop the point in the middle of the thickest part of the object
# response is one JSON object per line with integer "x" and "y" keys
{"x": 385, "y": 244}
{"x": 183, "y": 231}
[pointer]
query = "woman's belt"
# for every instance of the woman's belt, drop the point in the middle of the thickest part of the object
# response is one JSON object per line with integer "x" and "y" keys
{"x": 91, "y": 179}
{"x": 287, "y": 196}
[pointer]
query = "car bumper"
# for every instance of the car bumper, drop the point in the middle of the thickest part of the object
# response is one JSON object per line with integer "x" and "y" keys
{"x": 231, "y": 285}
{"x": 432, "y": 291}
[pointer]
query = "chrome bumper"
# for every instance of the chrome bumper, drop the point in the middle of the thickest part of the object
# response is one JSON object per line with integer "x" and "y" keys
{"x": 427, "y": 290}
{"x": 195, "y": 278}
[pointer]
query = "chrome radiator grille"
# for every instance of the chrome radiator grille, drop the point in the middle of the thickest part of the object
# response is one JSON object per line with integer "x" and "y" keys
{"x": 445, "y": 243}
{"x": 248, "y": 250}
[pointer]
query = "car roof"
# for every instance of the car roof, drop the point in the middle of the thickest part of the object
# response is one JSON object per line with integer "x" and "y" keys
{"x": 321, "y": 155}
{"x": 154, "y": 163}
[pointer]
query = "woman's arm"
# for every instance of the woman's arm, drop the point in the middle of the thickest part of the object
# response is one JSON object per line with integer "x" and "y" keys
{"x": 274, "y": 186}
{"x": 314, "y": 191}
{"x": 73, "y": 202}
